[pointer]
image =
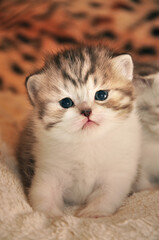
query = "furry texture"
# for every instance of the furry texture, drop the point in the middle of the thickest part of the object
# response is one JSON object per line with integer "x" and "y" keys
{"x": 147, "y": 88}
{"x": 89, "y": 160}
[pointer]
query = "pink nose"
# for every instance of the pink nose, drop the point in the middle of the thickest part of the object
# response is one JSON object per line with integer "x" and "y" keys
{"x": 86, "y": 112}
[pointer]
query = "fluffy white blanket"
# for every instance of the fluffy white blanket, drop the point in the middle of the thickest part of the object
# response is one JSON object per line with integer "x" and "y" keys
{"x": 137, "y": 219}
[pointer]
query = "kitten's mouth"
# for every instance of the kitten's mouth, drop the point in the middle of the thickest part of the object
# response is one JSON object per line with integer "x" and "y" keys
{"x": 89, "y": 123}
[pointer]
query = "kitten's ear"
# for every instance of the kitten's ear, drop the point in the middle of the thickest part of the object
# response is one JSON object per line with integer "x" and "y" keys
{"x": 143, "y": 82}
{"x": 32, "y": 84}
{"x": 124, "y": 65}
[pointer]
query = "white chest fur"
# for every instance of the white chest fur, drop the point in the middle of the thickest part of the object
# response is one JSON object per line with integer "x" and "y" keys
{"x": 81, "y": 166}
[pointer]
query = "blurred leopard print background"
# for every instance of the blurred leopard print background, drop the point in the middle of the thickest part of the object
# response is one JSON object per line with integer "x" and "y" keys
{"x": 30, "y": 28}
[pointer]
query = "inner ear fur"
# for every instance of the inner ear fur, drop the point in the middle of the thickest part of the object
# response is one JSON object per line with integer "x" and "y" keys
{"x": 33, "y": 83}
{"x": 123, "y": 64}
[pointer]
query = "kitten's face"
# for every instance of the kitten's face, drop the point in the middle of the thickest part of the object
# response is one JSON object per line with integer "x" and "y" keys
{"x": 148, "y": 98}
{"x": 83, "y": 91}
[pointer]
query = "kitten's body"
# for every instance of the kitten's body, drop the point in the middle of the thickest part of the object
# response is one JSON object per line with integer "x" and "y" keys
{"x": 75, "y": 160}
{"x": 147, "y": 89}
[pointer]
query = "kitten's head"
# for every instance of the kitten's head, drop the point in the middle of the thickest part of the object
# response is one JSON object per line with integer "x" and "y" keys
{"x": 147, "y": 89}
{"x": 82, "y": 90}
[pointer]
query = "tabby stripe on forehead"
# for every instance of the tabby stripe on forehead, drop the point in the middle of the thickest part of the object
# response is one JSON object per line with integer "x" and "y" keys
{"x": 82, "y": 59}
{"x": 89, "y": 72}
{"x": 81, "y": 66}
{"x": 93, "y": 59}
{"x": 92, "y": 55}
{"x": 57, "y": 61}
{"x": 68, "y": 77}
{"x": 70, "y": 56}
{"x": 65, "y": 55}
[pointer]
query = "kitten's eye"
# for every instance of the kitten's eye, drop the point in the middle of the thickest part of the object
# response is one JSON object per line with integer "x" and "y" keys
{"x": 101, "y": 95}
{"x": 66, "y": 103}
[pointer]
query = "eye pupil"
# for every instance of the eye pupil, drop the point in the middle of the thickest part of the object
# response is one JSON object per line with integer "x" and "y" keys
{"x": 66, "y": 103}
{"x": 101, "y": 95}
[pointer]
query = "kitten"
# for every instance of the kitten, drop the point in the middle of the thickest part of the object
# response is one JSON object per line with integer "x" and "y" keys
{"x": 146, "y": 83}
{"x": 82, "y": 141}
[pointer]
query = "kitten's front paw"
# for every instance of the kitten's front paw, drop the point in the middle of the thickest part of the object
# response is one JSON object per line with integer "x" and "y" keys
{"x": 90, "y": 212}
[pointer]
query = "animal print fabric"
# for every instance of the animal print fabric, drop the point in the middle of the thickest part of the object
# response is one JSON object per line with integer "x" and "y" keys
{"x": 31, "y": 28}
